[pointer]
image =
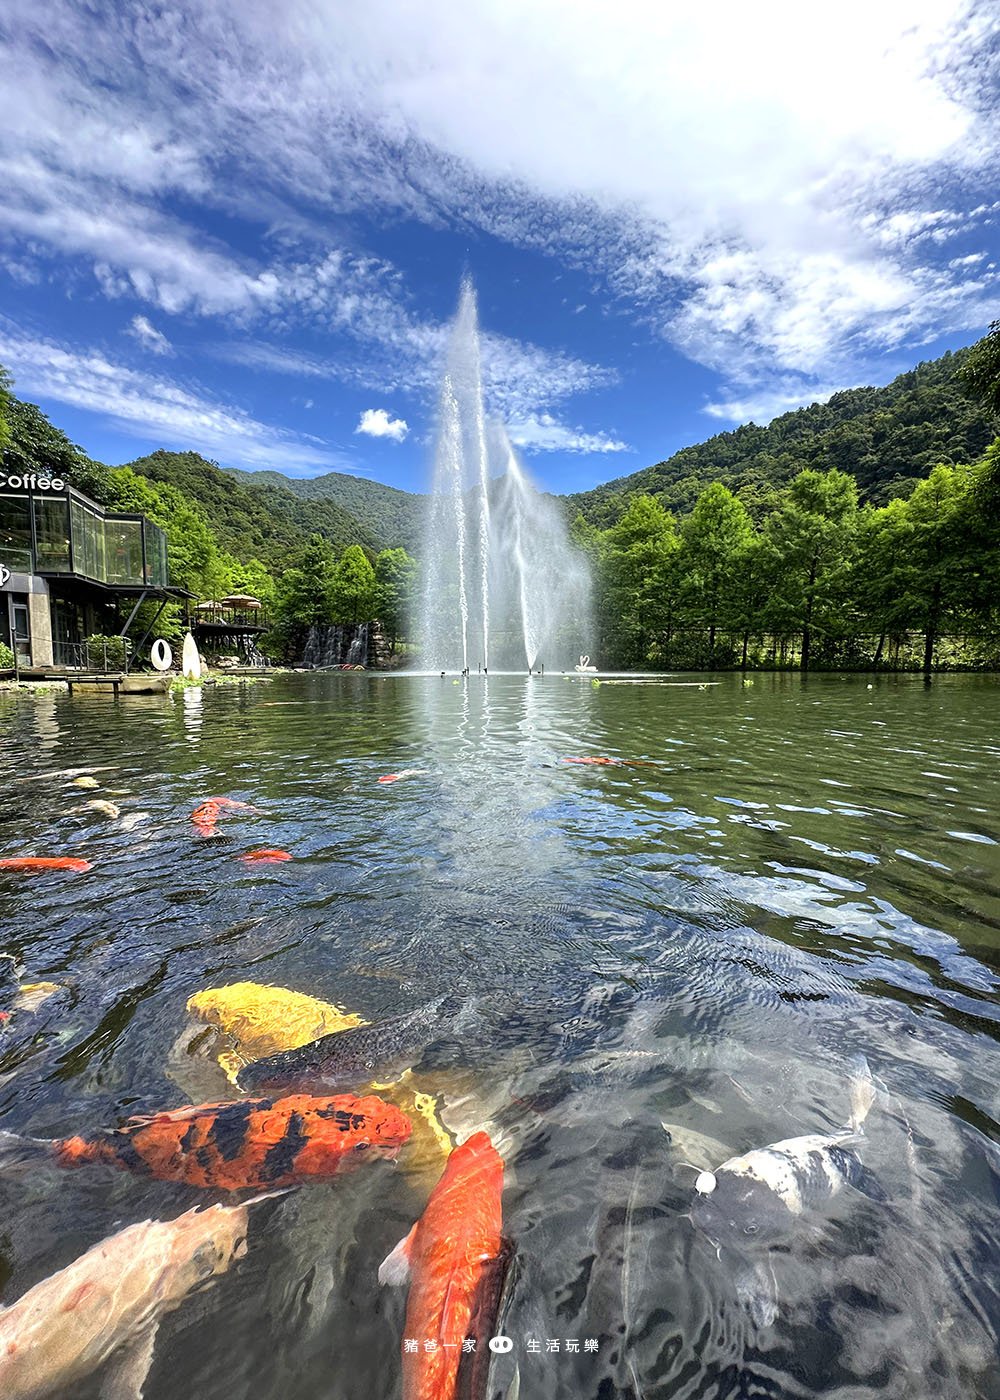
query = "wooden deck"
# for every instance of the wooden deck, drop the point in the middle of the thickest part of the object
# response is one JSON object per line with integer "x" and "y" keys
{"x": 138, "y": 683}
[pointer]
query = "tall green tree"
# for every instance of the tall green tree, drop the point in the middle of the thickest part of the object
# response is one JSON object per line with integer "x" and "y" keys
{"x": 639, "y": 578}
{"x": 942, "y": 557}
{"x": 880, "y": 593}
{"x": 811, "y": 535}
{"x": 981, "y": 372}
{"x": 253, "y": 578}
{"x": 352, "y": 588}
{"x": 6, "y": 383}
{"x": 395, "y": 589}
{"x": 714, "y": 539}
{"x": 302, "y": 597}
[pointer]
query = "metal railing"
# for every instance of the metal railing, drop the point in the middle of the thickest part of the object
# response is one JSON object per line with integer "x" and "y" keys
{"x": 88, "y": 656}
{"x": 234, "y": 618}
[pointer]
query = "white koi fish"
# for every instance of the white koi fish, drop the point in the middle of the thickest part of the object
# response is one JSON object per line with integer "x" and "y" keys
{"x": 103, "y": 1310}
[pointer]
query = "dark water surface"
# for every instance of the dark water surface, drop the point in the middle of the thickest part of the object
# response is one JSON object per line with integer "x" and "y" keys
{"x": 794, "y": 873}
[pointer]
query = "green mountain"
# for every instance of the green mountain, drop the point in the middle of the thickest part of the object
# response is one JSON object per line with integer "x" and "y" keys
{"x": 886, "y": 438}
{"x": 395, "y": 517}
{"x": 256, "y": 522}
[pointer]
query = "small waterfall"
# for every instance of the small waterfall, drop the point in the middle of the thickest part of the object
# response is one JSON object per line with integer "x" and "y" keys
{"x": 336, "y": 644}
{"x": 503, "y": 586}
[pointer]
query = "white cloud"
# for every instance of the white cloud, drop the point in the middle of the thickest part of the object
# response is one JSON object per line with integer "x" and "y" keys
{"x": 150, "y": 406}
{"x": 764, "y": 401}
{"x": 543, "y": 433}
{"x": 766, "y": 188}
{"x": 519, "y": 379}
{"x": 148, "y": 336}
{"x": 375, "y": 422}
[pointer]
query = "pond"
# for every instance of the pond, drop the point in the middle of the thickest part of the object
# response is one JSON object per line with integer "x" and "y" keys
{"x": 765, "y": 882}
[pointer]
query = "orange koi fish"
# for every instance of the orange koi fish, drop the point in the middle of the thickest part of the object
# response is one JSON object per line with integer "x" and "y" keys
{"x": 44, "y": 863}
{"x": 266, "y": 855}
{"x": 253, "y": 1143}
{"x": 614, "y": 762}
{"x": 456, "y": 1260}
{"x": 207, "y": 815}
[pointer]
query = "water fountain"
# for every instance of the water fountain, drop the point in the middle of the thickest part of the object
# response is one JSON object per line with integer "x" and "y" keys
{"x": 504, "y": 589}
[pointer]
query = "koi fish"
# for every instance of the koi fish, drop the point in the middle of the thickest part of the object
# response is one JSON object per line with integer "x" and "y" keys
{"x": 85, "y": 782}
{"x": 103, "y": 1310}
{"x": 757, "y": 1197}
{"x": 265, "y": 856}
{"x": 206, "y": 816}
{"x": 260, "y": 1020}
{"x": 253, "y": 1143}
{"x": 44, "y": 863}
{"x": 107, "y": 809}
{"x": 22, "y": 996}
{"x": 351, "y": 1058}
{"x": 456, "y": 1259}
{"x": 613, "y": 762}
{"x": 404, "y": 773}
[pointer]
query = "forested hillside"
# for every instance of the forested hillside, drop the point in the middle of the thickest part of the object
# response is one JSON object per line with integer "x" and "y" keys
{"x": 263, "y": 522}
{"x": 864, "y": 532}
{"x": 887, "y": 439}
{"x": 395, "y": 517}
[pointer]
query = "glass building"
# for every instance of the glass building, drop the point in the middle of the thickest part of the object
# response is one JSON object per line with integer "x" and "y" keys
{"x": 66, "y": 565}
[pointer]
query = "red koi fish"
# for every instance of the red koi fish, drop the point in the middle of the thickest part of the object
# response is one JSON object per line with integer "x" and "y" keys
{"x": 265, "y": 856}
{"x": 456, "y": 1260}
{"x": 207, "y": 815}
{"x": 44, "y": 863}
{"x": 252, "y": 1143}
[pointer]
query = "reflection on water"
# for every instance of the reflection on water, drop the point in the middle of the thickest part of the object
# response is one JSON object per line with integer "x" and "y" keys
{"x": 766, "y": 882}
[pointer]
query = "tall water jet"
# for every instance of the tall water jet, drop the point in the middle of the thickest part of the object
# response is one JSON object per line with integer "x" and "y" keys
{"x": 503, "y": 586}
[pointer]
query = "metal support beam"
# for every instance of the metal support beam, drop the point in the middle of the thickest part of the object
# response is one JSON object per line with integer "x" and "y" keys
{"x": 131, "y": 618}
{"x": 156, "y": 617}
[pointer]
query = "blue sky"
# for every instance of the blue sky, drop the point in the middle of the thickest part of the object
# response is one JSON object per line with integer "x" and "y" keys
{"x": 241, "y": 228}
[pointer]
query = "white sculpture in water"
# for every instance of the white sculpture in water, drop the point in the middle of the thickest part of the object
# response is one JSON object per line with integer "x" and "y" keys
{"x": 584, "y": 665}
{"x": 161, "y": 656}
{"x": 190, "y": 660}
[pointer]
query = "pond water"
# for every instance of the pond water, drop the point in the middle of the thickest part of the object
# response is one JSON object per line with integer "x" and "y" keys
{"x": 769, "y": 881}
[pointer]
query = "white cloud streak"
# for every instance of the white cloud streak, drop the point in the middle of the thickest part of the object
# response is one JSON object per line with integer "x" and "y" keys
{"x": 543, "y": 433}
{"x": 150, "y": 406}
{"x": 149, "y": 337}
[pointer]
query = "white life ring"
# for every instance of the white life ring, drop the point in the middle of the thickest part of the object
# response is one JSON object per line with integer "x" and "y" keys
{"x": 161, "y": 656}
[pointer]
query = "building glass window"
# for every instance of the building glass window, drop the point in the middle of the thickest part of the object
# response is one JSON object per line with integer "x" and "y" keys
{"x": 15, "y": 534}
{"x": 51, "y": 535}
{"x": 89, "y": 546}
{"x": 156, "y": 555}
{"x": 124, "y": 545}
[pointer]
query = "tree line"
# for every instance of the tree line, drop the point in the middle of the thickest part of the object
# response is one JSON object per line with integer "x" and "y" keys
{"x": 821, "y": 579}
{"x": 802, "y": 573}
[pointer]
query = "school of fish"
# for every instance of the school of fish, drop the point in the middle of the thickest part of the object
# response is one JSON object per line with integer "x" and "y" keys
{"x": 314, "y": 1058}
